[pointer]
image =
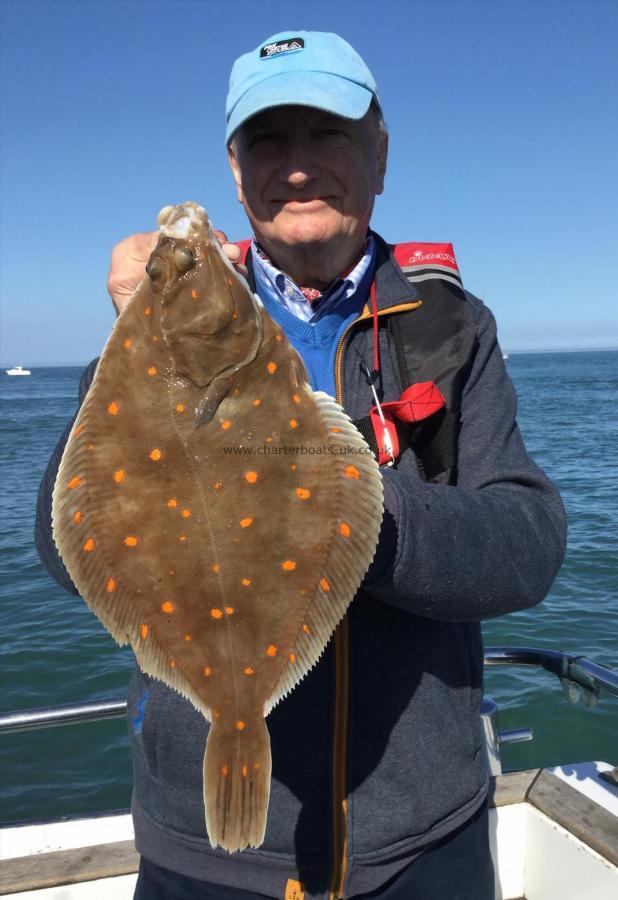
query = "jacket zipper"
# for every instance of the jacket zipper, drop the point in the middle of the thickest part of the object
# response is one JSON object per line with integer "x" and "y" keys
{"x": 342, "y": 673}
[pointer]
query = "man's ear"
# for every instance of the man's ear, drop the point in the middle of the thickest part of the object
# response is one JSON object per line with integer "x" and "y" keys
{"x": 235, "y": 167}
{"x": 382, "y": 156}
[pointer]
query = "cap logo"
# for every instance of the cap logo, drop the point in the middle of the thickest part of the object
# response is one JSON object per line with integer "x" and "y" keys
{"x": 278, "y": 47}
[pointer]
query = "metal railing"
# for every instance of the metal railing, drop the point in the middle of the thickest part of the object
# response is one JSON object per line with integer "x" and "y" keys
{"x": 581, "y": 678}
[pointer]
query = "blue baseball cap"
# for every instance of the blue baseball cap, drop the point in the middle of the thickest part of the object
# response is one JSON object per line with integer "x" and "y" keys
{"x": 300, "y": 68}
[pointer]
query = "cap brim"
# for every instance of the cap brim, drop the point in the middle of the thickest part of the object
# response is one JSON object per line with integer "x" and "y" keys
{"x": 319, "y": 90}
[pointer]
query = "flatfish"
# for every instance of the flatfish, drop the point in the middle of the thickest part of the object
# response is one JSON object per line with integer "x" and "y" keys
{"x": 213, "y": 511}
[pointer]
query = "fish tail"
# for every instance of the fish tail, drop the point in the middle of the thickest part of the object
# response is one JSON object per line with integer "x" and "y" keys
{"x": 237, "y": 766}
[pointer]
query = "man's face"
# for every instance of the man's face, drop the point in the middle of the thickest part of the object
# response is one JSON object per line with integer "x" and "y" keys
{"x": 307, "y": 177}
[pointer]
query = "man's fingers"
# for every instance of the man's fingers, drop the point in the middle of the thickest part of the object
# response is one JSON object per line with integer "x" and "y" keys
{"x": 232, "y": 251}
{"x": 129, "y": 258}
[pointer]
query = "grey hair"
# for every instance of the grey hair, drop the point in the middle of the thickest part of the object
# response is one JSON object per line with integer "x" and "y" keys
{"x": 378, "y": 116}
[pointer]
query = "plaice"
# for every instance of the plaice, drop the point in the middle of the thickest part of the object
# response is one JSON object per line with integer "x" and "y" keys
{"x": 213, "y": 511}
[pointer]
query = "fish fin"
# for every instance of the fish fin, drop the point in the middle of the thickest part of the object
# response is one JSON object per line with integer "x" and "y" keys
{"x": 237, "y": 766}
{"x": 216, "y": 392}
{"x": 360, "y": 504}
{"x": 117, "y": 608}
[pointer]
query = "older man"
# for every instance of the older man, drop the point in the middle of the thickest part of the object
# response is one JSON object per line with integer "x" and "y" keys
{"x": 378, "y": 785}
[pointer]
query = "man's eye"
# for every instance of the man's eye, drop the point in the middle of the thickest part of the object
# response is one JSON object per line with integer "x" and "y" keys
{"x": 333, "y": 133}
{"x": 259, "y": 141}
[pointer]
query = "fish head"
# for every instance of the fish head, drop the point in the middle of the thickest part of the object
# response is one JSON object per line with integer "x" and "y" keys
{"x": 209, "y": 319}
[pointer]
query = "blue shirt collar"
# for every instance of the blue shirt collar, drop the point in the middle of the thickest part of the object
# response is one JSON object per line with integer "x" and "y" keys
{"x": 276, "y": 285}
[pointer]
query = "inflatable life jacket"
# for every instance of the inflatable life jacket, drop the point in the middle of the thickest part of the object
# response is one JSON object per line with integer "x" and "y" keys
{"x": 432, "y": 352}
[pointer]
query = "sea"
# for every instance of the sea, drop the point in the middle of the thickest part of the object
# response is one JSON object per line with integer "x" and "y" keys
{"x": 54, "y": 651}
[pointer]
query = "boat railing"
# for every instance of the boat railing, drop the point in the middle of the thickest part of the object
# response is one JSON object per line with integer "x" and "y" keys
{"x": 581, "y": 679}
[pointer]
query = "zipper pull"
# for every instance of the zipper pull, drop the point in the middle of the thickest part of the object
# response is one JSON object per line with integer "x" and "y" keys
{"x": 387, "y": 444}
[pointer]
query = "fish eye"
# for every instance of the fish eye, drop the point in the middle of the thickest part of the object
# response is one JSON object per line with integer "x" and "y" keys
{"x": 155, "y": 267}
{"x": 183, "y": 259}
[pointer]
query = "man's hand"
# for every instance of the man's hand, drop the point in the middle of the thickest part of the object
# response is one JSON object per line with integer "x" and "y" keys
{"x": 129, "y": 258}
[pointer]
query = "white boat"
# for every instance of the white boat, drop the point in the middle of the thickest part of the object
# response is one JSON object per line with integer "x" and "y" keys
{"x": 554, "y": 832}
{"x": 18, "y": 370}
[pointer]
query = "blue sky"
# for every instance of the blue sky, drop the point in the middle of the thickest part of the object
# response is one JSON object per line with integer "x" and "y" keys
{"x": 503, "y": 141}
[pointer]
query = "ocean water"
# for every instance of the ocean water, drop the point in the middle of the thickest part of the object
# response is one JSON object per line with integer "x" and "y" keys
{"x": 54, "y": 651}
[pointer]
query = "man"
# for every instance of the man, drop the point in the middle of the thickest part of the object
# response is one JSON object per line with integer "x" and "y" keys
{"x": 378, "y": 785}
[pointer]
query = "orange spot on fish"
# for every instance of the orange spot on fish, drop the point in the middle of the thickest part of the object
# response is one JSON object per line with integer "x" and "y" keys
{"x": 245, "y": 771}
{"x": 155, "y": 339}
{"x": 271, "y": 650}
{"x": 207, "y": 671}
{"x": 218, "y": 485}
{"x": 77, "y": 517}
{"x": 245, "y": 582}
{"x": 172, "y": 503}
{"x": 257, "y": 401}
{"x": 335, "y": 430}
{"x": 324, "y": 584}
{"x": 155, "y": 454}
{"x": 119, "y": 475}
{"x": 256, "y": 766}
{"x": 186, "y": 513}
{"x": 188, "y": 637}
{"x": 293, "y": 467}
{"x": 240, "y": 725}
{"x": 180, "y": 407}
{"x": 78, "y": 430}
{"x": 293, "y": 423}
{"x": 303, "y": 493}
{"x": 111, "y": 585}
{"x": 344, "y": 529}
{"x": 230, "y": 281}
{"x": 269, "y": 439}
{"x": 306, "y": 628}
{"x": 130, "y": 541}
{"x": 152, "y": 371}
{"x": 182, "y": 538}
{"x": 225, "y": 424}
{"x": 296, "y": 398}
{"x": 90, "y": 446}
{"x": 172, "y": 572}
{"x": 113, "y": 408}
{"x": 251, "y": 477}
{"x": 144, "y": 631}
{"x": 168, "y": 606}
{"x": 194, "y": 293}
{"x": 234, "y": 315}
{"x": 278, "y": 336}
{"x": 245, "y": 523}
{"x": 351, "y": 472}
{"x": 127, "y": 343}
{"x": 89, "y": 545}
{"x": 224, "y": 771}
{"x": 292, "y": 657}
{"x": 74, "y": 482}
{"x": 272, "y": 367}
{"x": 229, "y": 610}
{"x": 172, "y": 663}
{"x": 216, "y": 568}
{"x": 216, "y": 613}
{"x": 249, "y": 671}
{"x": 288, "y": 565}
{"x": 148, "y": 311}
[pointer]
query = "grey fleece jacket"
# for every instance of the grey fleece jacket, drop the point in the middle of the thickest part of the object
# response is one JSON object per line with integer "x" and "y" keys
{"x": 388, "y": 720}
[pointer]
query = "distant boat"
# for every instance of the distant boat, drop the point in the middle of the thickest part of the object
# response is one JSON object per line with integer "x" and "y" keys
{"x": 17, "y": 370}
{"x": 505, "y": 355}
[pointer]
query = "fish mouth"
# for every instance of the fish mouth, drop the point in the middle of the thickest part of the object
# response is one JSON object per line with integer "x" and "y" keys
{"x": 185, "y": 220}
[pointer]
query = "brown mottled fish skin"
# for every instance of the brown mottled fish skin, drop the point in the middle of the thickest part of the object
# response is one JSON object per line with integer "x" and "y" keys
{"x": 227, "y": 571}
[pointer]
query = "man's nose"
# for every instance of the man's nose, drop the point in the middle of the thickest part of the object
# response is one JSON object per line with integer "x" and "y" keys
{"x": 299, "y": 166}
